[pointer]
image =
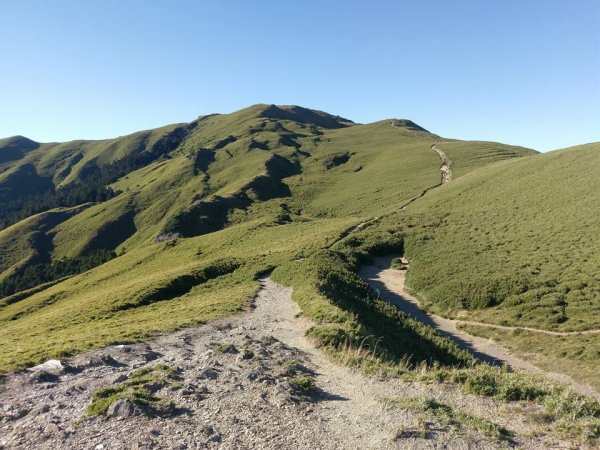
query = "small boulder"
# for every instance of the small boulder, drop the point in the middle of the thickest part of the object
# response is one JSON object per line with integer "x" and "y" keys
{"x": 208, "y": 430}
{"x": 215, "y": 438}
{"x": 52, "y": 365}
{"x": 151, "y": 355}
{"x": 208, "y": 374}
{"x": 16, "y": 413}
{"x": 103, "y": 360}
{"x": 123, "y": 408}
{"x": 251, "y": 376}
{"x": 120, "y": 379}
{"x": 43, "y": 376}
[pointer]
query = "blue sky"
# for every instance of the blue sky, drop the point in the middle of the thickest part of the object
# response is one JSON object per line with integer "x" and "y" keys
{"x": 520, "y": 72}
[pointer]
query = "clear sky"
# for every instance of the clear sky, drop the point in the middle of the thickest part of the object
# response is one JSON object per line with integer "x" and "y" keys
{"x": 523, "y": 72}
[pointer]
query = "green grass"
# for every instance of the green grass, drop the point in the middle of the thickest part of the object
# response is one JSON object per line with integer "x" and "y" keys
{"x": 127, "y": 299}
{"x": 351, "y": 323}
{"x": 575, "y": 355}
{"x": 135, "y": 389}
{"x": 304, "y": 384}
{"x": 150, "y": 287}
{"x": 564, "y": 413}
{"x": 26, "y": 242}
{"x": 446, "y": 417}
{"x": 516, "y": 243}
{"x": 511, "y": 242}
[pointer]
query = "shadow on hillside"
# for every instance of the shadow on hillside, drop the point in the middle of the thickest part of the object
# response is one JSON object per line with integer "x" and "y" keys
{"x": 382, "y": 326}
{"x": 412, "y": 310}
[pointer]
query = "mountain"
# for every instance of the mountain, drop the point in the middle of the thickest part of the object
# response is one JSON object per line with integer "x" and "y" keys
{"x": 116, "y": 241}
{"x": 112, "y": 240}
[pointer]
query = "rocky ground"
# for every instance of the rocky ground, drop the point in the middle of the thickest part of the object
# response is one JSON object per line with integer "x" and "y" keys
{"x": 249, "y": 382}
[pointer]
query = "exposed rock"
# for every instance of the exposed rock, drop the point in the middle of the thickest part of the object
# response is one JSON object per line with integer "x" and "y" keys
{"x": 151, "y": 355}
{"x": 166, "y": 237}
{"x": 103, "y": 360}
{"x": 123, "y": 408}
{"x": 15, "y": 413}
{"x": 43, "y": 376}
{"x": 52, "y": 365}
{"x": 208, "y": 430}
{"x": 215, "y": 438}
{"x": 154, "y": 387}
{"x": 119, "y": 379}
{"x": 251, "y": 376}
{"x": 208, "y": 374}
{"x": 250, "y": 403}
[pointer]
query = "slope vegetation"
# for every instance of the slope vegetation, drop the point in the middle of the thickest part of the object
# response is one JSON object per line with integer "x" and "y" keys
{"x": 516, "y": 244}
{"x": 170, "y": 227}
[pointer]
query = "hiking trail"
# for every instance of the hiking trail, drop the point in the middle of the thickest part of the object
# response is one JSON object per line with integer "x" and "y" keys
{"x": 389, "y": 283}
{"x": 240, "y": 397}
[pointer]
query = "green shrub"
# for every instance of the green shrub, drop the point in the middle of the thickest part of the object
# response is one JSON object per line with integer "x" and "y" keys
{"x": 134, "y": 389}
{"x": 303, "y": 384}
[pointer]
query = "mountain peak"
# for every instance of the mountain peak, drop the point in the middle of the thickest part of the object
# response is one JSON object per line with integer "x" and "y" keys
{"x": 20, "y": 142}
{"x": 305, "y": 115}
{"x": 14, "y": 147}
{"x": 406, "y": 123}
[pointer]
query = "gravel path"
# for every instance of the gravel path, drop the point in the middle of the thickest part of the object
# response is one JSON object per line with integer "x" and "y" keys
{"x": 241, "y": 397}
{"x": 445, "y": 168}
{"x": 389, "y": 283}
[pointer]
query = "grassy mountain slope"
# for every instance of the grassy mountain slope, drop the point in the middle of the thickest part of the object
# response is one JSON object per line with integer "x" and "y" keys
{"x": 28, "y": 242}
{"x": 516, "y": 244}
{"x": 512, "y": 235}
{"x": 190, "y": 213}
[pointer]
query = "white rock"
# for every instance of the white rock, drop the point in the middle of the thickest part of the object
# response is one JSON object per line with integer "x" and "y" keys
{"x": 52, "y": 365}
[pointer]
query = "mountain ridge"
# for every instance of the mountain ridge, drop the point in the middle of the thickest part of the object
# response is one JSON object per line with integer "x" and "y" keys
{"x": 244, "y": 179}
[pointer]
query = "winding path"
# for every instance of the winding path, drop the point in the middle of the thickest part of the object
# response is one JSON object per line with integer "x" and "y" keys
{"x": 445, "y": 169}
{"x": 389, "y": 283}
{"x": 533, "y": 330}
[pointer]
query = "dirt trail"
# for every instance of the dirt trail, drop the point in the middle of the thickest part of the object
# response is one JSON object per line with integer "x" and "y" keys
{"x": 389, "y": 283}
{"x": 445, "y": 169}
{"x": 231, "y": 400}
{"x": 533, "y": 330}
{"x": 353, "y": 411}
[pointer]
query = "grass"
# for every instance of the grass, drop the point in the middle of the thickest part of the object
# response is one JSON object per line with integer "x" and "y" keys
{"x": 135, "y": 389}
{"x": 133, "y": 296}
{"x": 564, "y": 413}
{"x": 298, "y": 191}
{"x": 351, "y": 323}
{"x": 304, "y": 384}
{"x": 575, "y": 355}
{"x": 446, "y": 417}
{"x": 517, "y": 227}
{"x": 398, "y": 264}
{"x": 129, "y": 298}
{"x": 226, "y": 347}
{"x": 515, "y": 243}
